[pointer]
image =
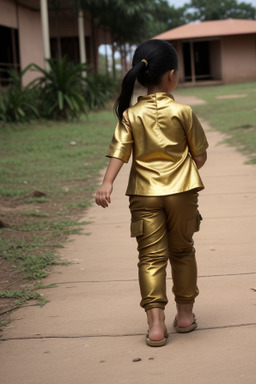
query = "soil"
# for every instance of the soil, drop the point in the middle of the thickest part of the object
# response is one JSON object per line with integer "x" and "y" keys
{"x": 10, "y": 279}
{"x": 11, "y": 222}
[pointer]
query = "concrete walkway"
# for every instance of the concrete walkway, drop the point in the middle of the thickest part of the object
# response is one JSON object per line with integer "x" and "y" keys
{"x": 93, "y": 329}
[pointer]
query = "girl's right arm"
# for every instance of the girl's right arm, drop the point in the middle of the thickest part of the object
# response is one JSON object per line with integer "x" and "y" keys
{"x": 200, "y": 160}
{"x": 103, "y": 193}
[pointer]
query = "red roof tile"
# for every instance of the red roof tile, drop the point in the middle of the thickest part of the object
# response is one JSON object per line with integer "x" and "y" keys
{"x": 210, "y": 29}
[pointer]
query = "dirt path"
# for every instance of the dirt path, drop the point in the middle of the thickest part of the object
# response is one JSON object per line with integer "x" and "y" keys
{"x": 93, "y": 330}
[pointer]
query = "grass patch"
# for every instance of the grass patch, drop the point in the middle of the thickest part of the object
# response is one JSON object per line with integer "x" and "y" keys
{"x": 3, "y": 324}
{"x": 80, "y": 204}
{"x": 35, "y": 213}
{"x": 53, "y": 167}
{"x": 233, "y": 116}
{"x": 22, "y": 296}
{"x": 44, "y": 157}
{"x": 53, "y": 228}
{"x": 30, "y": 257}
{"x": 41, "y": 200}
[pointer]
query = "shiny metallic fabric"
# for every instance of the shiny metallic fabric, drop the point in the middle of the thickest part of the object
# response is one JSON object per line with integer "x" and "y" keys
{"x": 163, "y": 135}
{"x": 164, "y": 228}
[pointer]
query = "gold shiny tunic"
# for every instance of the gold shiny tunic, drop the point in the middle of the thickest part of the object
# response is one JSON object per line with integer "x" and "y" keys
{"x": 163, "y": 135}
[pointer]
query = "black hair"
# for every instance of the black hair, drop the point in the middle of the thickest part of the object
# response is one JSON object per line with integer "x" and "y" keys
{"x": 151, "y": 60}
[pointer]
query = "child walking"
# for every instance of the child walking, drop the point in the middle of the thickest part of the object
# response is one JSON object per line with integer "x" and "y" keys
{"x": 168, "y": 146}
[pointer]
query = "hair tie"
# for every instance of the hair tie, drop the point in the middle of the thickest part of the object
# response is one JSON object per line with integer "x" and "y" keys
{"x": 145, "y": 61}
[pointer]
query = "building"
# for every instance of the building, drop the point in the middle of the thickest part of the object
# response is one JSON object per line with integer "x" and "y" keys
{"x": 31, "y": 31}
{"x": 217, "y": 51}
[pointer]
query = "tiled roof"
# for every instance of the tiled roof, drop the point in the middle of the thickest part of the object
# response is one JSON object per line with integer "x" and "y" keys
{"x": 210, "y": 29}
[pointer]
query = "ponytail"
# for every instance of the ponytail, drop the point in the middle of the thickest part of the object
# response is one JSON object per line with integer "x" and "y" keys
{"x": 124, "y": 100}
{"x": 151, "y": 60}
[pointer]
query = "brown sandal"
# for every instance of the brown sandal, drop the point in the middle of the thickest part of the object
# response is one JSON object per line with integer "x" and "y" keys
{"x": 185, "y": 329}
{"x": 156, "y": 343}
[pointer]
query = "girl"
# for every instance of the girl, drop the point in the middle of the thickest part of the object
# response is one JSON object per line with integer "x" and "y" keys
{"x": 168, "y": 146}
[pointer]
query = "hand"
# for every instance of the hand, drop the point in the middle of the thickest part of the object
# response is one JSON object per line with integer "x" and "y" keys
{"x": 103, "y": 194}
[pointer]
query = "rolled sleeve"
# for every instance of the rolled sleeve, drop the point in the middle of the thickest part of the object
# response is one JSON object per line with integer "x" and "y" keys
{"x": 122, "y": 141}
{"x": 196, "y": 138}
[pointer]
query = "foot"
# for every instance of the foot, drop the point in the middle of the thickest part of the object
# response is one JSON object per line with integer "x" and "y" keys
{"x": 187, "y": 329}
{"x": 185, "y": 317}
{"x": 156, "y": 322}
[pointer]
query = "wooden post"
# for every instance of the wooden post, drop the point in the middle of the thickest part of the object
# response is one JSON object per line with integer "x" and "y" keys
{"x": 192, "y": 57}
{"x": 81, "y": 36}
{"x": 45, "y": 31}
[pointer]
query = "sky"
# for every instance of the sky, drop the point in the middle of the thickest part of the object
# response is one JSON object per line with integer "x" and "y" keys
{"x": 180, "y": 3}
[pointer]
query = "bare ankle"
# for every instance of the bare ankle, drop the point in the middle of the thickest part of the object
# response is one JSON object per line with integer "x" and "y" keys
{"x": 185, "y": 314}
{"x": 155, "y": 316}
{"x": 184, "y": 308}
{"x": 156, "y": 323}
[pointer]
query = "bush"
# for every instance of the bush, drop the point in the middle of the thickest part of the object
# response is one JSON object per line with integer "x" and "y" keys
{"x": 17, "y": 103}
{"x": 99, "y": 90}
{"x": 62, "y": 89}
{"x": 65, "y": 91}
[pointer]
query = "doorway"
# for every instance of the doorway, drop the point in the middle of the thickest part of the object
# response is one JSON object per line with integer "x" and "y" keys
{"x": 202, "y": 62}
{"x": 9, "y": 53}
{"x": 196, "y": 56}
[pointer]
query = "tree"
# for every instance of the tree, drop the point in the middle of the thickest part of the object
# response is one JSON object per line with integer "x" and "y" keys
{"x": 204, "y": 10}
{"x": 129, "y": 21}
{"x": 126, "y": 20}
{"x": 166, "y": 17}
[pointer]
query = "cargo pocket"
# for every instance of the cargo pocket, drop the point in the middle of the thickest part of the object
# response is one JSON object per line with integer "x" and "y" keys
{"x": 193, "y": 224}
{"x": 136, "y": 228}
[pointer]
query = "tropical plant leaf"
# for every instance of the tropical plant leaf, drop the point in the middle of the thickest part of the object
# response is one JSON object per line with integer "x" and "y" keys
{"x": 60, "y": 99}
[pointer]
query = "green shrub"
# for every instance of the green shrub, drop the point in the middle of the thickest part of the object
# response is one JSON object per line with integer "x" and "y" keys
{"x": 64, "y": 92}
{"x": 99, "y": 90}
{"x": 62, "y": 89}
{"x": 17, "y": 103}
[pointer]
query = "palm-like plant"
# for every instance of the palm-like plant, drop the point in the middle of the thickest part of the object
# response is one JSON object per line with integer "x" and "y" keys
{"x": 18, "y": 103}
{"x": 62, "y": 89}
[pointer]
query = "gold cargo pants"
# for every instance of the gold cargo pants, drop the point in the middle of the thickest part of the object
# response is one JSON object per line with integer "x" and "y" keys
{"x": 164, "y": 228}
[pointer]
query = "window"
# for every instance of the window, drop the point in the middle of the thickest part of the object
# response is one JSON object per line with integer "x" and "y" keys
{"x": 9, "y": 53}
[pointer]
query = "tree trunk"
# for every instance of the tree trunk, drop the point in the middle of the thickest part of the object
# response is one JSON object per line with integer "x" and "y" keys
{"x": 106, "y": 59}
{"x": 123, "y": 59}
{"x": 59, "y": 51}
{"x": 94, "y": 46}
{"x": 113, "y": 60}
{"x": 130, "y": 51}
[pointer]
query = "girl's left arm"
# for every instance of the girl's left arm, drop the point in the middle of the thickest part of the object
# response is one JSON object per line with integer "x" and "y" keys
{"x": 103, "y": 193}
